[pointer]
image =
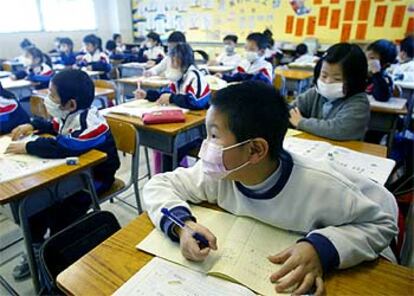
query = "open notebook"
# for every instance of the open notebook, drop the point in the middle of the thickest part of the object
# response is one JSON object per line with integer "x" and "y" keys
{"x": 14, "y": 166}
{"x": 139, "y": 107}
{"x": 374, "y": 167}
{"x": 243, "y": 247}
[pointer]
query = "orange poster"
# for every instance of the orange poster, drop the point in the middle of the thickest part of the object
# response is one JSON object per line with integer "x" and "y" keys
{"x": 334, "y": 1}
{"x": 300, "y": 24}
{"x": 361, "y": 32}
{"x": 335, "y": 15}
{"x": 346, "y": 32}
{"x": 398, "y": 17}
{"x": 310, "y": 30}
{"x": 380, "y": 16}
{"x": 349, "y": 11}
{"x": 317, "y": 1}
{"x": 364, "y": 10}
{"x": 410, "y": 25}
{"x": 323, "y": 16}
{"x": 289, "y": 24}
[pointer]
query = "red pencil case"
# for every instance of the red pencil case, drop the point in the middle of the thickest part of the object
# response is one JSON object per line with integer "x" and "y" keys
{"x": 163, "y": 116}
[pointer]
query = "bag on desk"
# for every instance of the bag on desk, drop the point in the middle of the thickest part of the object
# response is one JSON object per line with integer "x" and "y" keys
{"x": 163, "y": 116}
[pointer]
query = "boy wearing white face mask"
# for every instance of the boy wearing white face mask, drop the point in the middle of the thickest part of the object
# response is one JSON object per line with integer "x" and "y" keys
{"x": 344, "y": 217}
{"x": 404, "y": 70}
{"x": 254, "y": 66}
{"x": 152, "y": 52}
{"x": 229, "y": 57}
{"x": 188, "y": 89}
{"x": 337, "y": 107}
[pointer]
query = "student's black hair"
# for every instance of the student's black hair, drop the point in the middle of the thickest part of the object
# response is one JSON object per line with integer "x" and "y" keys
{"x": 254, "y": 109}
{"x": 110, "y": 45}
{"x": 25, "y": 43}
{"x": 94, "y": 40}
{"x": 269, "y": 35}
{"x": 36, "y": 54}
{"x": 233, "y": 38}
{"x": 301, "y": 49}
{"x": 260, "y": 39}
{"x": 74, "y": 84}
{"x": 154, "y": 36}
{"x": 407, "y": 46}
{"x": 386, "y": 50}
{"x": 185, "y": 54}
{"x": 115, "y": 36}
{"x": 177, "y": 37}
{"x": 67, "y": 41}
{"x": 354, "y": 66}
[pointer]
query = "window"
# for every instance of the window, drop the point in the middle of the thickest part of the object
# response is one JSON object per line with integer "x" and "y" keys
{"x": 47, "y": 15}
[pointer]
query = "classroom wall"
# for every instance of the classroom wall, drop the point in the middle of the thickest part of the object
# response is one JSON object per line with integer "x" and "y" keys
{"x": 111, "y": 16}
{"x": 330, "y": 21}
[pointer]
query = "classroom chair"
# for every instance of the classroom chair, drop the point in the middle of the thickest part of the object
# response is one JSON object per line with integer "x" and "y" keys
{"x": 68, "y": 245}
{"x": 397, "y": 91}
{"x": 279, "y": 82}
{"x": 127, "y": 141}
{"x": 115, "y": 73}
{"x": 37, "y": 107}
{"x": 112, "y": 98}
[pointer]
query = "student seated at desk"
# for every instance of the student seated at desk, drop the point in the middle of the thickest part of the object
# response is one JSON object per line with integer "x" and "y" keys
{"x": 56, "y": 46}
{"x": 94, "y": 59}
{"x": 24, "y": 44}
{"x": 175, "y": 38}
{"x": 404, "y": 70}
{"x": 78, "y": 128}
{"x": 120, "y": 46}
{"x": 111, "y": 50}
{"x": 254, "y": 66}
{"x": 152, "y": 52}
{"x": 303, "y": 56}
{"x": 346, "y": 218}
{"x": 337, "y": 107}
{"x": 229, "y": 57}
{"x": 189, "y": 88}
{"x": 37, "y": 68}
{"x": 381, "y": 54}
{"x": 11, "y": 112}
{"x": 67, "y": 57}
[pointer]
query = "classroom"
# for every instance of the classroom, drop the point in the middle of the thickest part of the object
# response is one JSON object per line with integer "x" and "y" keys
{"x": 206, "y": 147}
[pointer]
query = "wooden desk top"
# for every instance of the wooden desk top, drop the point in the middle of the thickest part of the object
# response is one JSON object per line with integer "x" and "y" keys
{"x": 148, "y": 82}
{"x": 8, "y": 83}
{"x": 406, "y": 85}
{"x": 192, "y": 118}
{"x": 294, "y": 74}
{"x": 220, "y": 68}
{"x": 368, "y": 148}
{"x": 99, "y": 91}
{"x": 108, "y": 266}
{"x": 386, "y": 110}
{"x": 15, "y": 189}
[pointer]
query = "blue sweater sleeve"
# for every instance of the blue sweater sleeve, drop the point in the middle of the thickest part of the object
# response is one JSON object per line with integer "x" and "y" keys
{"x": 382, "y": 86}
{"x": 167, "y": 225}
{"x": 50, "y": 148}
{"x": 39, "y": 78}
{"x": 237, "y": 77}
{"x": 152, "y": 95}
{"x": 328, "y": 255}
{"x": 101, "y": 66}
{"x": 20, "y": 74}
{"x": 189, "y": 101}
{"x": 42, "y": 125}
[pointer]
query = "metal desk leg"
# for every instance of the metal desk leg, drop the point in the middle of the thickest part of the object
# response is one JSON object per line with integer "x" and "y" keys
{"x": 90, "y": 187}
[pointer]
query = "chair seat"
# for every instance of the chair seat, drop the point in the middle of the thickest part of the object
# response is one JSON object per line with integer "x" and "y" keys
{"x": 116, "y": 186}
{"x": 193, "y": 152}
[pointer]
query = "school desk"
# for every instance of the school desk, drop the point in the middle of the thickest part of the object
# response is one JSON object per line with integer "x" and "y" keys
{"x": 34, "y": 193}
{"x": 108, "y": 266}
{"x": 20, "y": 88}
{"x": 309, "y": 67}
{"x": 132, "y": 69}
{"x": 128, "y": 85}
{"x": 408, "y": 93}
{"x": 297, "y": 80}
{"x": 220, "y": 69}
{"x": 4, "y": 74}
{"x": 169, "y": 137}
{"x": 99, "y": 92}
{"x": 93, "y": 74}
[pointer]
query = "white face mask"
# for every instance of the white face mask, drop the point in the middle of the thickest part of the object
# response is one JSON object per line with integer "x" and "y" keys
{"x": 27, "y": 62}
{"x": 331, "y": 91}
{"x": 173, "y": 74}
{"x": 54, "y": 109}
{"x": 149, "y": 45}
{"x": 251, "y": 56}
{"x": 211, "y": 156}
{"x": 229, "y": 48}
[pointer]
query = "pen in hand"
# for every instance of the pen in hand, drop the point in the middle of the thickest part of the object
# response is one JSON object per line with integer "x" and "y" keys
{"x": 201, "y": 240}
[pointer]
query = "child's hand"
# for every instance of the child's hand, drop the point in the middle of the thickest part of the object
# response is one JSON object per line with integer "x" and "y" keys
{"x": 295, "y": 116}
{"x": 13, "y": 77}
{"x": 374, "y": 66}
{"x": 140, "y": 94}
{"x": 219, "y": 75}
{"x": 301, "y": 266}
{"x": 150, "y": 64}
{"x": 147, "y": 73}
{"x": 189, "y": 246}
{"x": 89, "y": 68}
{"x": 164, "y": 99}
{"x": 16, "y": 148}
{"x": 22, "y": 131}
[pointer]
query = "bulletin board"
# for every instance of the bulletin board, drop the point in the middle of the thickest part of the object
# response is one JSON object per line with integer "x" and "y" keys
{"x": 330, "y": 21}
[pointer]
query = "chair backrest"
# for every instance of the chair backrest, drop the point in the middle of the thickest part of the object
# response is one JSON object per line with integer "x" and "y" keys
{"x": 397, "y": 91}
{"x": 37, "y": 107}
{"x": 125, "y": 135}
{"x": 67, "y": 246}
{"x": 7, "y": 67}
{"x": 279, "y": 83}
{"x": 108, "y": 85}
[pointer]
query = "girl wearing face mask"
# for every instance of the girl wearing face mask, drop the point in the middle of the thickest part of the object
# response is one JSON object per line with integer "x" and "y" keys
{"x": 254, "y": 66}
{"x": 37, "y": 68}
{"x": 337, "y": 106}
{"x": 152, "y": 51}
{"x": 229, "y": 57}
{"x": 94, "y": 59}
{"x": 67, "y": 57}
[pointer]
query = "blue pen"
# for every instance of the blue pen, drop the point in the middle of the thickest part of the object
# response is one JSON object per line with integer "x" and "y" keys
{"x": 202, "y": 241}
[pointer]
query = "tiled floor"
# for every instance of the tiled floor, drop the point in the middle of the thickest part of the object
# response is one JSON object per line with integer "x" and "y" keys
{"x": 9, "y": 231}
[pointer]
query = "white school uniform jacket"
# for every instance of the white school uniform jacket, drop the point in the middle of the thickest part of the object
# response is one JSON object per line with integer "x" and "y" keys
{"x": 306, "y": 58}
{"x": 229, "y": 60}
{"x": 354, "y": 216}
{"x": 160, "y": 68}
{"x": 260, "y": 69}
{"x": 154, "y": 53}
{"x": 405, "y": 69}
